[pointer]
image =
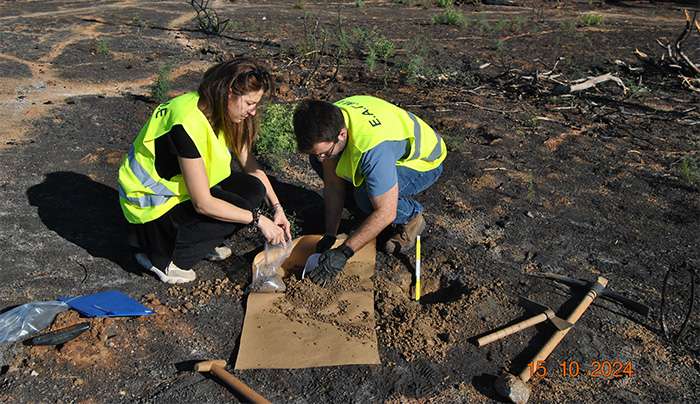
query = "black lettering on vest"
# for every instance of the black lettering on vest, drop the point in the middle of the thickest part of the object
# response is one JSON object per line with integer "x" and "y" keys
{"x": 161, "y": 112}
{"x": 375, "y": 122}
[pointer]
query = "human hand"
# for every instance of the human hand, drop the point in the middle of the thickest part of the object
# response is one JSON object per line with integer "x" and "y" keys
{"x": 271, "y": 231}
{"x": 280, "y": 219}
{"x": 330, "y": 264}
{"x": 325, "y": 243}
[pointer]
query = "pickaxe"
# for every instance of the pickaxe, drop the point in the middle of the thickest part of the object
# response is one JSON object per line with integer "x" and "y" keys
{"x": 581, "y": 285}
{"x": 515, "y": 387}
{"x": 545, "y": 314}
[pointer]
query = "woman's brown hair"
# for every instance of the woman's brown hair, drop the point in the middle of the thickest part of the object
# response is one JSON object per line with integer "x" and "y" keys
{"x": 242, "y": 76}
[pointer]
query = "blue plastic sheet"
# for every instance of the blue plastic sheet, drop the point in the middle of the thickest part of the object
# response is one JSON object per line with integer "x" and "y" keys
{"x": 110, "y": 303}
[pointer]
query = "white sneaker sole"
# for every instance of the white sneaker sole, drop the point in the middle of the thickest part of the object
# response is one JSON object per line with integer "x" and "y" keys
{"x": 146, "y": 263}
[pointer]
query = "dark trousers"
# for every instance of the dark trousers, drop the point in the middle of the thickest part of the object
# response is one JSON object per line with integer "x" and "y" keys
{"x": 185, "y": 237}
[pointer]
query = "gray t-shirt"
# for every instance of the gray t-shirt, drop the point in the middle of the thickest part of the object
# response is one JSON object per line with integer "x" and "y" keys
{"x": 378, "y": 165}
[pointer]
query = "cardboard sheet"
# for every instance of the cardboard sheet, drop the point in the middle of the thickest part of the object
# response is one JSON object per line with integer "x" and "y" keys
{"x": 270, "y": 340}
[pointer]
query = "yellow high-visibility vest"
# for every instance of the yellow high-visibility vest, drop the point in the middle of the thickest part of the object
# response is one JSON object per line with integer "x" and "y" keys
{"x": 370, "y": 121}
{"x": 143, "y": 194}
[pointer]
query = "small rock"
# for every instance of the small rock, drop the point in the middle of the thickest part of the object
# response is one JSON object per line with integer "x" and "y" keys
{"x": 34, "y": 373}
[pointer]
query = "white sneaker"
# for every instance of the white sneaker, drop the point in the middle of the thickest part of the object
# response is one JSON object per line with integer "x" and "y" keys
{"x": 172, "y": 274}
{"x": 219, "y": 254}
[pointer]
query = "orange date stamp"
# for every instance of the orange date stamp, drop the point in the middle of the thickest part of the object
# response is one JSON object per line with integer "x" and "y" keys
{"x": 604, "y": 369}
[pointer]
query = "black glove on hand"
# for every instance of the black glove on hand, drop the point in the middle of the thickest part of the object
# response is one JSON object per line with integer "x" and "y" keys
{"x": 330, "y": 263}
{"x": 325, "y": 243}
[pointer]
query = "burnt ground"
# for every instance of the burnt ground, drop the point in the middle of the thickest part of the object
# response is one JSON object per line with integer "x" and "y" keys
{"x": 590, "y": 184}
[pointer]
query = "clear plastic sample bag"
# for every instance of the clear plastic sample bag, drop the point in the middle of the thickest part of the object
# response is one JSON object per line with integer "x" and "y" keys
{"x": 28, "y": 319}
{"x": 265, "y": 276}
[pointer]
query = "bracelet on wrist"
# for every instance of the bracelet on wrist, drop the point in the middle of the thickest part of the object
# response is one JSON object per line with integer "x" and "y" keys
{"x": 276, "y": 206}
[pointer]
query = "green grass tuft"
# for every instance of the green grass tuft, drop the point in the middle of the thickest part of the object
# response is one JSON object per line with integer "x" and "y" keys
{"x": 591, "y": 19}
{"x": 450, "y": 17}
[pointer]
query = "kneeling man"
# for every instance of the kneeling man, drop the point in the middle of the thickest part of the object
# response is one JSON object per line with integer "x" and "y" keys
{"x": 382, "y": 155}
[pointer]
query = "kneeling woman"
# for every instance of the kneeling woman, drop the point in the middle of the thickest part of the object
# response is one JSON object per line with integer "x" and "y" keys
{"x": 176, "y": 187}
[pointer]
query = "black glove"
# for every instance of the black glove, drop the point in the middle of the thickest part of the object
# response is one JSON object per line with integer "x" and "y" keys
{"x": 330, "y": 263}
{"x": 325, "y": 243}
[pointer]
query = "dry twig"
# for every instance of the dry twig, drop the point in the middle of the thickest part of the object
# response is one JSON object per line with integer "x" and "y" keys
{"x": 588, "y": 83}
{"x": 674, "y": 59}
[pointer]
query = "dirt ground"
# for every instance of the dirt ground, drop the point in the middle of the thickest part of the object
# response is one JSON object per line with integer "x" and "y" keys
{"x": 598, "y": 183}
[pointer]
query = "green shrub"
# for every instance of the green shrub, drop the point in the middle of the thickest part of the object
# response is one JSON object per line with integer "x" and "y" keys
{"x": 102, "y": 47}
{"x": 689, "y": 171}
{"x": 208, "y": 20}
{"x": 275, "y": 141}
{"x": 374, "y": 46}
{"x": 444, "y": 3}
{"x": 450, "y": 17}
{"x": 161, "y": 85}
{"x": 378, "y": 48}
{"x": 359, "y": 3}
{"x": 418, "y": 68}
{"x": 418, "y": 64}
{"x": 591, "y": 19}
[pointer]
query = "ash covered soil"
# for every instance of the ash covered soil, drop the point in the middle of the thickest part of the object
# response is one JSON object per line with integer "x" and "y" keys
{"x": 598, "y": 183}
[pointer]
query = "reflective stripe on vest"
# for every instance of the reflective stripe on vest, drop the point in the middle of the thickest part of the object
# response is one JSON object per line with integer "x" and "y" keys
{"x": 143, "y": 194}
{"x": 437, "y": 150}
{"x": 371, "y": 121}
{"x": 145, "y": 201}
{"x": 146, "y": 179}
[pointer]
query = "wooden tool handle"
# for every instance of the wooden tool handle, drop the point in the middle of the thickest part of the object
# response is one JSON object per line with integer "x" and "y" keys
{"x": 239, "y": 386}
{"x": 495, "y": 336}
{"x": 556, "y": 338}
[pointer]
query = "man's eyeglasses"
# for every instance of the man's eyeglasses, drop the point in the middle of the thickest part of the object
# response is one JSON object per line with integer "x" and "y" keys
{"x": 326, "y": 154}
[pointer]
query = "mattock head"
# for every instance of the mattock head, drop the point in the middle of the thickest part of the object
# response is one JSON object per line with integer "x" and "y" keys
{"x": 206, "y": 366}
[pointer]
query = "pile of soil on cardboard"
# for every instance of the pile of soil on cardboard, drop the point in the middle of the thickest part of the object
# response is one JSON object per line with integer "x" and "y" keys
{"x": 310, "y": 304}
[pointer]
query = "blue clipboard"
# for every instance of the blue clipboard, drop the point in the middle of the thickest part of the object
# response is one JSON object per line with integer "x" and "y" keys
{"x": 110, "y": 303}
